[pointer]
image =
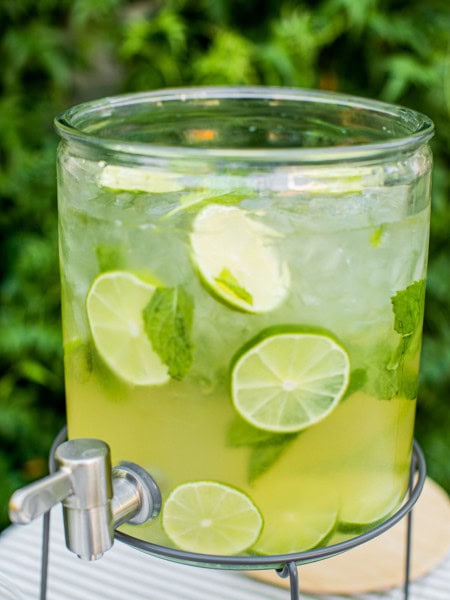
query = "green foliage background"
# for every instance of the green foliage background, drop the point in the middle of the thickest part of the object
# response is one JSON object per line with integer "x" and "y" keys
{"x": 54, "y": 53}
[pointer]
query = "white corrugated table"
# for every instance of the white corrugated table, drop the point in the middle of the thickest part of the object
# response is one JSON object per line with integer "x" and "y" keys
{"x": 127, "y": 574}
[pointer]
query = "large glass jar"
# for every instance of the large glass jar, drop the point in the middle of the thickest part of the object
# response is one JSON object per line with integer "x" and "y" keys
{"x": 243, "y": 277}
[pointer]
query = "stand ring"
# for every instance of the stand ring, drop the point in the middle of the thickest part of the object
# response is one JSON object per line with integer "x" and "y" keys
{"x": 278, "y": 561}
{"x": 284, "y": 564}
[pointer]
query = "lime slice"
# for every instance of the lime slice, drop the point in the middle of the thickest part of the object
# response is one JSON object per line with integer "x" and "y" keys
{"x": 237, "y": 260}
{"x": 211, "y": 518}
{"x": 339, "y": 180}
{"x": 285, "y": 382}
{"x": 299, "y": 514}
{"x": 372, "y": 504}
{"x": 139, "y": 180}
{"x": 114, "y": 305}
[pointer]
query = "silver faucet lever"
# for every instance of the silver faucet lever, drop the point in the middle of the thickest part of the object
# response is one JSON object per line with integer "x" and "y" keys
{"x": 35, "y": 499}
{"x": 95, "y": 498}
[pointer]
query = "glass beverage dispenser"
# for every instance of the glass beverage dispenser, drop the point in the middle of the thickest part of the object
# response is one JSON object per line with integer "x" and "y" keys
{"x": 243, "y": 278}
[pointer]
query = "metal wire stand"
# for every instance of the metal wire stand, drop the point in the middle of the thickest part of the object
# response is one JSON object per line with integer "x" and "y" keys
{"x": 284, "y": 564}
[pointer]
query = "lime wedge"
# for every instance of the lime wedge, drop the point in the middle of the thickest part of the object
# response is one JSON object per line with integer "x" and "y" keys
{"x": 298, "y": 515}
{"x": 236, "y": 259}
{"x": 129, "y": 179}
{"x": 285, "y": 382}
{"x": 114, "y": 305}
{"x": 211, "y": 518}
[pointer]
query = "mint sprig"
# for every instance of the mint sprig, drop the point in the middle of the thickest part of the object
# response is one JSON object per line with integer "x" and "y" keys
{"x": 408, "y": 307}
{"x": 265, "y": 447}
{"x": 168, "y": 324}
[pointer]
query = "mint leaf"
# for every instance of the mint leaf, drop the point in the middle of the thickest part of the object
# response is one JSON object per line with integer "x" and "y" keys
{"x": 266, "y": 447}
{"x": 264, "y": 456}
{"x": 358, "y": 379}
{"x": 408, "y": 307}
{"x": 385, "y": 384}
{"x": 397, "y": 374}
{"x": 109, "y": 257}
{"x": 168, "y": 323}
{"x": 241, "y": 433}
{"x": 409, "y": 384}
{"x": 230, "y": 285}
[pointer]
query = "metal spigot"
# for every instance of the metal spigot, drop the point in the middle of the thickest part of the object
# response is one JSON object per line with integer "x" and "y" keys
{"x": 96, "y": 498}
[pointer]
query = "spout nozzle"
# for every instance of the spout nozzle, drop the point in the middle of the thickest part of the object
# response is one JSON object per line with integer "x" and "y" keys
{"x": 89, "y": 532}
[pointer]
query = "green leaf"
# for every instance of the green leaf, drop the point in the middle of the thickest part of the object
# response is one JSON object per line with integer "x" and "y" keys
{"x": 240, "y": 433}
{"x": 215, "y": 67}
{"x": 266, "y": 447}
{"x": 109, "y": 257}
{"x": 400, "y": 377}
{"x": 385, "y": 385}
{"x": 168, "y": 323}
{"x": 264, "y": 456}
{"x": 358, "y": 379}
{"x": 409, "y": 384}
{"x": 228, "y": 282}
{"x": 403, "y": 72}
{"x": 408, "y": 305}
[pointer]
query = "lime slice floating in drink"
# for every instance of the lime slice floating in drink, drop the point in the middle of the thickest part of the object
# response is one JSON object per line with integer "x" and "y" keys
{"x": 114, "y": 305}
{"x": 211, "y": 518}
{"x": 285, "y": 382}
{"x": 237, "y": 260}
{"x": 375, "y": 502}
{"x": 129, "y": 179}
{"x": 297, "y": 515}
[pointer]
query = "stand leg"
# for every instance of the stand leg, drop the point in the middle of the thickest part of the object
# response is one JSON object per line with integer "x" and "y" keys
{"x": 290, "y": 570}
{"x": 409, "y": 532}
{"x": 408, "y": 554}
{"x": 62, "y": 435}
{"x": 44, "y": 557}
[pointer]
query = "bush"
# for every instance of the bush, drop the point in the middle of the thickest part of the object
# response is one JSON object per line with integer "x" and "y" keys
{"x": 56, "y": 53}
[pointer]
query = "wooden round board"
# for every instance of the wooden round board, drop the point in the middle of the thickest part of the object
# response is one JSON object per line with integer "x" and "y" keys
{"x": 378, "y": 565}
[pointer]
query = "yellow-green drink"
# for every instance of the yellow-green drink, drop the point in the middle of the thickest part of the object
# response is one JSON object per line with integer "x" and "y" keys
{"x": 243, "y": 275}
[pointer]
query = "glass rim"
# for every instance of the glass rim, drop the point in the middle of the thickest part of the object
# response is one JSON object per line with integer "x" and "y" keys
{"x": 421, "y": 127}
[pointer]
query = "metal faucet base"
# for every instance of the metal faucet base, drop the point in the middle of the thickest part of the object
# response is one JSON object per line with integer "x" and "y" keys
{"x": 96, "y": 498}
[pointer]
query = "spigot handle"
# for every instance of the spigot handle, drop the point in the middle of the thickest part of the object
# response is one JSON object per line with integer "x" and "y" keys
{"x": 83, "y": 481}
{"x": 34, "y": 500}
